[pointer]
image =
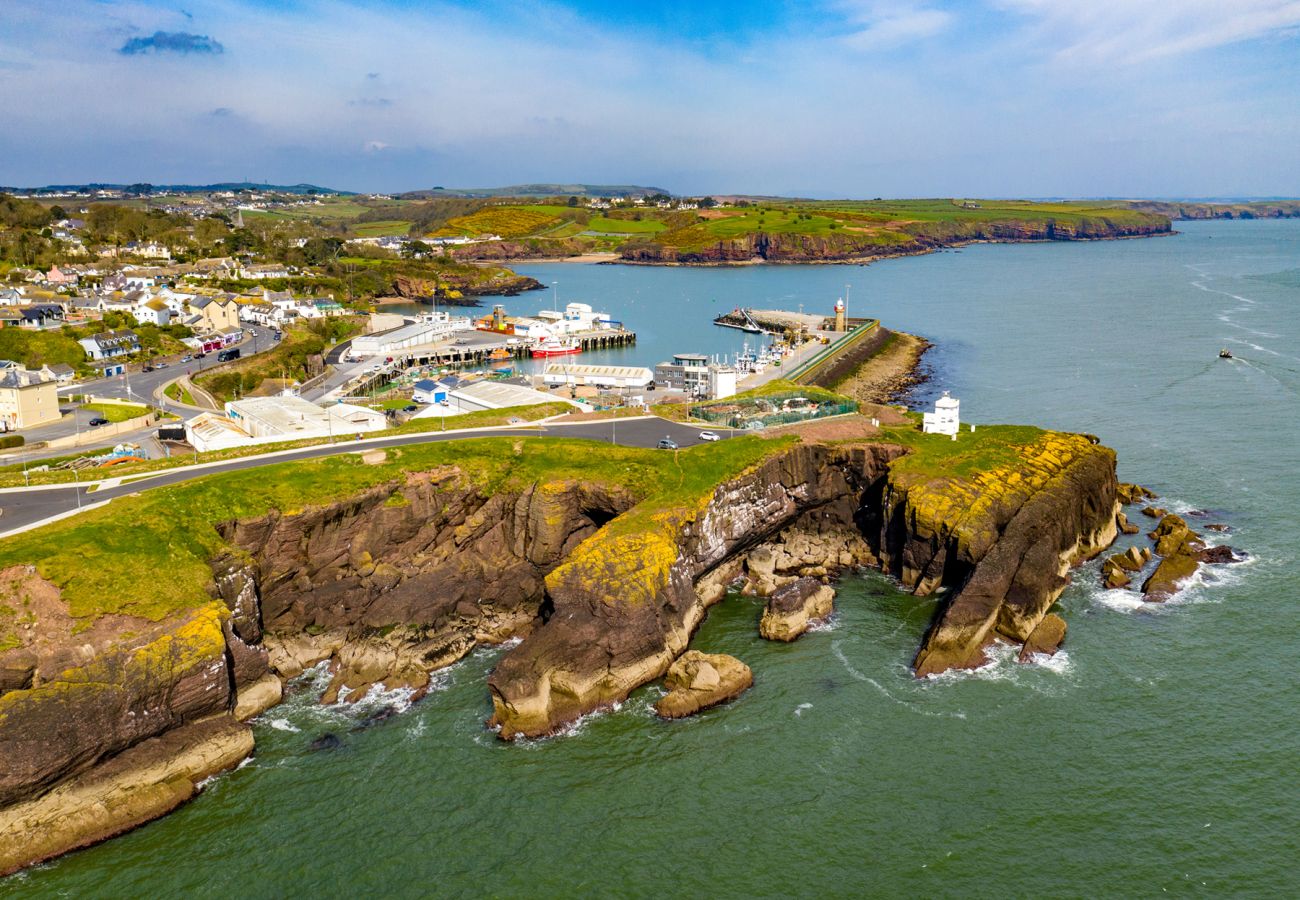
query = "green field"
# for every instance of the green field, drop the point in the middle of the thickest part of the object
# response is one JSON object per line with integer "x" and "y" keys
{"x": 384, "y": 228}
{"x": 116, "y": 412}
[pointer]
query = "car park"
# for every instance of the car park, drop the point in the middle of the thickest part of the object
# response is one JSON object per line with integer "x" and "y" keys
{"x": 709, "y": 436}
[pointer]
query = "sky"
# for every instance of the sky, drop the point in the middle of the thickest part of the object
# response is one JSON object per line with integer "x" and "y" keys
{"x": 821, "y": 98}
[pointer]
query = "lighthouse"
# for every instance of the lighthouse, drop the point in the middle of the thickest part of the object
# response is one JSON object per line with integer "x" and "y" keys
{"x": 841, "y": 316}
{"x": 946, "y": 417}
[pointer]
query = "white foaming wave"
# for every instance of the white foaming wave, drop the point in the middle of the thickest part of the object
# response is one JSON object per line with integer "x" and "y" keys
{"x": 928, "y": 713}
{"x": 798, "y": 710}
{"x": 202, "y": 785}
{"x": 280, "y": 724}
{"x": 1209, "y": 290}
{"x": 1002, "y": 663}
{"x": 1226, "y": 320}
{"x": 830, "y": 623}
{"x": 375, "y": 700}
{"x": 1203, "y": 587}
{"x": 1252, "y": 345}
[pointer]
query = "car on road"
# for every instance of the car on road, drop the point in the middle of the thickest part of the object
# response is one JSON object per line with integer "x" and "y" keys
{"x": 148, "y": 369}
{"x": 186, "y": 359}
{"x": 709, "y": 436}
{"x": 410, "y": 409}
{"x": 97, "y": 421}
{"x": 199, "y": 355}
{"x": 667, "y": 444}
{"x": 161, "y": 365}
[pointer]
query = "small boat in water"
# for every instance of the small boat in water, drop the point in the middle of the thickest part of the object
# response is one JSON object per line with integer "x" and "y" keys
{"x": 1225, "y": 354}
{"x": 553, "y": 346}
{"x": 500, "y": 354}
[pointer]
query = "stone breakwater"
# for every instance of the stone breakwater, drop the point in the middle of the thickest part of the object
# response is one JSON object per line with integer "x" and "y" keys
{"x": 104, "y": 730}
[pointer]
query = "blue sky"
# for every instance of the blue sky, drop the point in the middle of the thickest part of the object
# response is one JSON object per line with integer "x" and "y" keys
{"x": 853, "y": 98}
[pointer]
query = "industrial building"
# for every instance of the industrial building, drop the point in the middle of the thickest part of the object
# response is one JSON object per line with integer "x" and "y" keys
{"x": 430, "y": 328}
{"x": 695, "y": 376}
{"x": 268, "y": 420}
{"x": 598, "y": 376}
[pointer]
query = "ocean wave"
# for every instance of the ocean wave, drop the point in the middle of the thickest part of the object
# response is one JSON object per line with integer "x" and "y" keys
{"x": 1002, "y": 663}
{"x": 907, "y": 704}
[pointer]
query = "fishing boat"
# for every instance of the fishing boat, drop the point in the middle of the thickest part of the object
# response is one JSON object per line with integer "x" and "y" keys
{"x": 500, "y": 354}
{"x": 1225, "y": 354}
{"x": 553, "y": 346}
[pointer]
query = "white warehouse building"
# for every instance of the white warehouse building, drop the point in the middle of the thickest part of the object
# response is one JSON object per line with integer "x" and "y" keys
{"x": 430, "y": 328}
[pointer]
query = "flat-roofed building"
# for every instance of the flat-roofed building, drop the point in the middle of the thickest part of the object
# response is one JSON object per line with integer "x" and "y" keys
{"x": 428, "y": 329}
{"x": 598, "y": 376}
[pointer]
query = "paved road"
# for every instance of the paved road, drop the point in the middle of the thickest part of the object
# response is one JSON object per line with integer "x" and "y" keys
{"x": 23, "y": 507}
{"x": 138, "y": 387}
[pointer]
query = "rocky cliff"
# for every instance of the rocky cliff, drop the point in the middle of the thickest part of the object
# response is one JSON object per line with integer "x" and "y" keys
{"x": 107, "y": 723}
{"x": 910, "y": 238}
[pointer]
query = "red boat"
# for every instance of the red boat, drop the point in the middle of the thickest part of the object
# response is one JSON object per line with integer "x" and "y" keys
{"x": 553, "y": 346}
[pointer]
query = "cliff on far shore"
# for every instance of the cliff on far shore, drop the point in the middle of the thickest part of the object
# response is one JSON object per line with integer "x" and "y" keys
{"x": 910, "y": 238}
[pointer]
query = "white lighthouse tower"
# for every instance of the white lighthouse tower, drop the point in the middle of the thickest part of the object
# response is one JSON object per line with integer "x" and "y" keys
{"x": 944, "y": 419}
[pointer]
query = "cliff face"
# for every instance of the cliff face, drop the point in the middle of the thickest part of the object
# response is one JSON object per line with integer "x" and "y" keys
{"x": 469, "y": 288}
{"x": 626, "y": 604}
{"x": 415, "y": 574}
{"x": 911, "y": 238}
{"x": 105, "y": 729}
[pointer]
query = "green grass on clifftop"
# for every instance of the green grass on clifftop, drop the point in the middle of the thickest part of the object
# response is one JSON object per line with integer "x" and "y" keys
{"x": 149, "y": 555}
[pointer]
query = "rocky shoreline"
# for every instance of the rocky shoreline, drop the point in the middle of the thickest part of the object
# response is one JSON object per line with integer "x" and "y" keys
{"x": 396, "y": 581}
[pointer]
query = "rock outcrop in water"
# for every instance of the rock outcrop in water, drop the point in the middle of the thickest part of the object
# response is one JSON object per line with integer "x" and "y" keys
{"x": 698, "y": 681}
{"x": 794, "y": 607}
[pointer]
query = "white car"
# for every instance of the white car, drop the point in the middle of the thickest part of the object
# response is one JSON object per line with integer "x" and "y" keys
{"x": 709, "y": 436}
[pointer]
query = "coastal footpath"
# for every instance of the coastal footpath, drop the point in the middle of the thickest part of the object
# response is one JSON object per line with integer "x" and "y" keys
{"x": 137, "y": 639}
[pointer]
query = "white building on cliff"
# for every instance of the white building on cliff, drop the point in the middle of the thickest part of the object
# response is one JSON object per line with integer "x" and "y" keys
{"x": 944, "y": 419}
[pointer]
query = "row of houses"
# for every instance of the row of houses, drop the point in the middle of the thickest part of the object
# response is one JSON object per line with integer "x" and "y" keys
{"x": 70, "y": 275}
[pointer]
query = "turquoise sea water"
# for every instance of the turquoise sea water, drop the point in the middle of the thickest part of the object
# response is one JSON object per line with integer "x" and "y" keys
{"x": 1158, "y": 753}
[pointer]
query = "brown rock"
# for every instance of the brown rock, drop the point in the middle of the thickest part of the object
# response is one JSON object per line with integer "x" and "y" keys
{"x": 1155, "y": 512}
{"x": 1218, "y": 555}
{"x": 698, "y": 680}
{"x": 1219, "y": 527}
{"x": 1124, "y": 525}
{"x": 1045, "y": 638}
{"x": 1114, "y": 575}
{"x": 791, "y": 609}
{"x": 1129, "y": 494}
{"x": 1169, "y": 576}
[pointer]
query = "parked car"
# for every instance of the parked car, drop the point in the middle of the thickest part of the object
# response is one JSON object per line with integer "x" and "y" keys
{"x": 199, "y": 355}
{"x": 709, "y": 436}
{"x": 148, "y": 368}
{"x": 667, "y": 444}
{"x": 97, "y": 421}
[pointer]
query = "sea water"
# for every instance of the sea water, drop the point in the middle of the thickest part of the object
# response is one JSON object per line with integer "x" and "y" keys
{"x": 1156, "y": 754}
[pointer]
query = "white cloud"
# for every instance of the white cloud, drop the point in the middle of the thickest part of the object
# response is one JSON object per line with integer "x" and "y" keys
{"x": 1110, "y": 32}
{"x": 884, "y": 24}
